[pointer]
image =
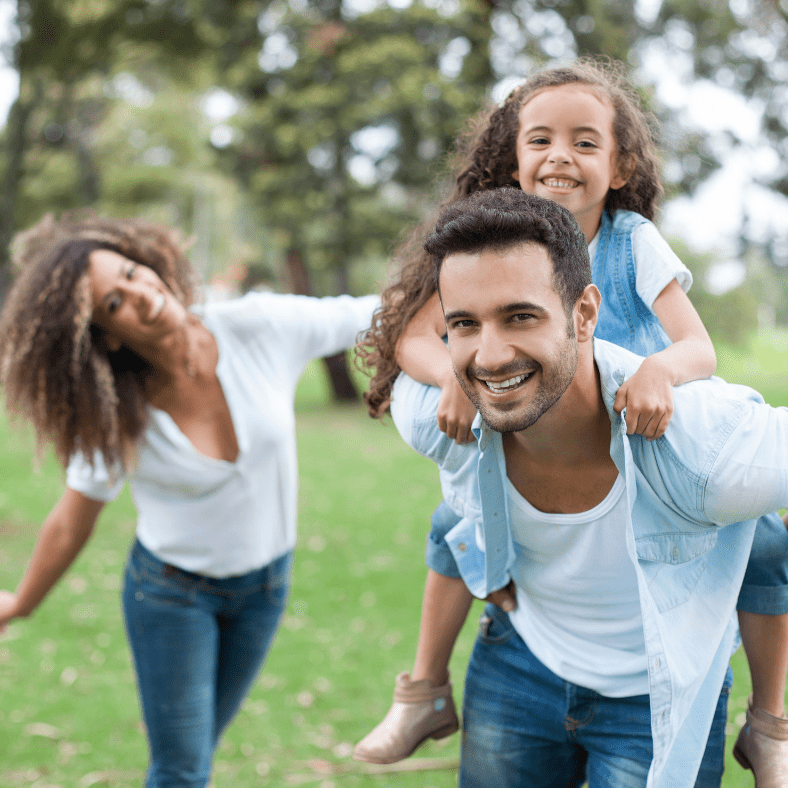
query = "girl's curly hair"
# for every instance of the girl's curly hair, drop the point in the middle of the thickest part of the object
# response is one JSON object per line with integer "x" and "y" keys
{"x": 55, "y": 368}
{"x": 486, "y": 158}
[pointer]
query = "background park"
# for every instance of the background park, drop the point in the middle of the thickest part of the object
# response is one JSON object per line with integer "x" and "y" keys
{"x": 293, "y": 142}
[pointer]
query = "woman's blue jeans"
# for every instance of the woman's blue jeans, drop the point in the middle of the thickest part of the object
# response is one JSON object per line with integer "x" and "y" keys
{"x": 525, "y": 727}
{"x": 198, "y": 644}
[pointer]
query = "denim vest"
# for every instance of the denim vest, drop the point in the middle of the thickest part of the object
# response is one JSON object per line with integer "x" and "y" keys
{"x": 623, "y": 317}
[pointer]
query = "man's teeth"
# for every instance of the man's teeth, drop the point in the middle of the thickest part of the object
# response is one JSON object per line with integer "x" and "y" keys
{"x": 554, "y": 183}
{"x": 506, "y": 384}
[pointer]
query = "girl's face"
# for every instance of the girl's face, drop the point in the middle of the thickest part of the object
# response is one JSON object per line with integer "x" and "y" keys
{"x": 566, "y": 151}
{"x": 131, "y": 303}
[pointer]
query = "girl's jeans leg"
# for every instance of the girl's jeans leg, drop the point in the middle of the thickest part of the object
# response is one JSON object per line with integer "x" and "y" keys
{"x": 765, "y": 586}
{"x": 197, "y": 644}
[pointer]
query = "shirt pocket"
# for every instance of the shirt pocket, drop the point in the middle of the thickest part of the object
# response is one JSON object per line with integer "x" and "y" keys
{"x": 672, "y": 564}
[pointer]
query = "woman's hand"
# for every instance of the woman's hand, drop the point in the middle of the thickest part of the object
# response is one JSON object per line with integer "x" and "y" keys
{"x": 648, "y": 398}
{"x": 455, "y": 412}
{"x": 8, "y": 608}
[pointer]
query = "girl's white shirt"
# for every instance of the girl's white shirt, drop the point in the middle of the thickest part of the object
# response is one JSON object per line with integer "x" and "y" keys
{"x": 220, "y": 518}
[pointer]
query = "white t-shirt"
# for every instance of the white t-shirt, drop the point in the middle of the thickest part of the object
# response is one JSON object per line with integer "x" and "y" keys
{"x": 222, "y": 518}
{"x": 656, "y": 264}
{"x": 578, "y": 605}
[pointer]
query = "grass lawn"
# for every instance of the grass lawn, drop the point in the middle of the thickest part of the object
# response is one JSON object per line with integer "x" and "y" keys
{"x": 69, "y": 714}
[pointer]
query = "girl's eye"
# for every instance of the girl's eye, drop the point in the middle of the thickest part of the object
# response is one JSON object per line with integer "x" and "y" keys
{"x": 586, "y": 144}
{"x": 539, "y": 141}
{"x": 130, "y": 271}
{"x": 113, "y": 305}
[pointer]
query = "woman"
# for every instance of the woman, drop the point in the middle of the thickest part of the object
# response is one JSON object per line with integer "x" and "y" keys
{"x": 100, "y": 351}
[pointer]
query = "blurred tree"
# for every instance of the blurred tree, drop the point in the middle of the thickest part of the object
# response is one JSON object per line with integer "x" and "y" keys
{"x": 64, "y": 54}
{"x": 346, "y": 124}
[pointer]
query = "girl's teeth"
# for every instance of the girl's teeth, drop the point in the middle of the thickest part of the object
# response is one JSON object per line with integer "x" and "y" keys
{"x": 506, "y": 383}
{"x": 560, "y": 184}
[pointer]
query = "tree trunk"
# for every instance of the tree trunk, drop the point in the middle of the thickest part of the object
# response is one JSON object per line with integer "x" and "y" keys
{"x": 342, "y": 386}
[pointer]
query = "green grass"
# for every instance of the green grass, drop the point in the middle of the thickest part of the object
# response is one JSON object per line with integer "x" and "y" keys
{"x": 69, "y": 712}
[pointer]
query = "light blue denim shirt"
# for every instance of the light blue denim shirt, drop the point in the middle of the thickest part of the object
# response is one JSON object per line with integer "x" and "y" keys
{"x": 723, "y": 461}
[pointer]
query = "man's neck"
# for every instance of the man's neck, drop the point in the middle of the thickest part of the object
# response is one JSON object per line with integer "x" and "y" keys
{"x": 562, "y": 462}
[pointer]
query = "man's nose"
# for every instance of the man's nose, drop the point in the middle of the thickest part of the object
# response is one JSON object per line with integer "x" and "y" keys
{"x": 493, "y": 351}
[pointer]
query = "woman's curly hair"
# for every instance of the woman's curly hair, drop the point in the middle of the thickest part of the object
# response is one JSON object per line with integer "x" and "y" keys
{"x": 55, "y": 368}
{"x": 486, "y": 158}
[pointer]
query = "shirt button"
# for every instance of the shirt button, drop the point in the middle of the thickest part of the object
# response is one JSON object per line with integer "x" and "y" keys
{"x": 675, "y": 553}
{"x": 462, "y": 547}
{"x": 656, "y": 664}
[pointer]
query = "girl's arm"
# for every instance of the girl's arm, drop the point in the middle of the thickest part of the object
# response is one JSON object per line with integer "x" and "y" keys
{"x": 423, "y": 355}
{"x": 64, "y": 533}
{"x": 648, "y": 395}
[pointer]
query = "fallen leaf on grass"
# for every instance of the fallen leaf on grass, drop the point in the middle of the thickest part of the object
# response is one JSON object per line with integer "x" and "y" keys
{"x": 43, "y": 729}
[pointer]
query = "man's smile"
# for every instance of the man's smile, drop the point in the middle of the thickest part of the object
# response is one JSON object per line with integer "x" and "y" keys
{"x": 506, "y": 385}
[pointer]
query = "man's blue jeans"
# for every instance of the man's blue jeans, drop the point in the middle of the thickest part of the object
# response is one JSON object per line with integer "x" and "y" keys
{"x": 198, "y": 644}
{"x": 524, "y": 727}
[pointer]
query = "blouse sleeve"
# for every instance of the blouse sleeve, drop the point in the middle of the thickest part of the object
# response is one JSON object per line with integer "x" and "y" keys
{"x": 656, "y": 264}
{"x": 94, "y": 481}
{"x": 297, "y": 329}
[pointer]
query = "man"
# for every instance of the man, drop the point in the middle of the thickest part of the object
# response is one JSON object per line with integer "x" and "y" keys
{"x": 614, "y": 665}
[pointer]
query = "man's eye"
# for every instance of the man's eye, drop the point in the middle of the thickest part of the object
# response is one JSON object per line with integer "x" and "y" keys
{"x": 462, "y": 324}
{"x": 113, "y": 305}
{"x": 522, "y": 317}
{"x": 130, "y": 271}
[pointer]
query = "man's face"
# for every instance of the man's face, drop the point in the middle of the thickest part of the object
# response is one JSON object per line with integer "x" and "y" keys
{"x": 514, "y": 351}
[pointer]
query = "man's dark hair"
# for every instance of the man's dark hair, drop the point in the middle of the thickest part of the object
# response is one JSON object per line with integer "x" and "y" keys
{"x": 501, "y": 218}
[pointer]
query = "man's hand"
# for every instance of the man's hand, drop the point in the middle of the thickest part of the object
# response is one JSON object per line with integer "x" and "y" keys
{"x": 785, "y": 519}
{"x": 455, "y": 412}
{"x": 648, "y": 398}
{"x": 505, "y": 598}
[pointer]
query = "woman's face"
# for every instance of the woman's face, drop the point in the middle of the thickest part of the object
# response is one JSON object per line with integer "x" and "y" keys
{"x": 131, "y": 303}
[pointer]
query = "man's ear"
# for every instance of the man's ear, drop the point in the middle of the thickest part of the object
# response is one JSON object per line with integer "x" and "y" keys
{"x": 586, "y": 313}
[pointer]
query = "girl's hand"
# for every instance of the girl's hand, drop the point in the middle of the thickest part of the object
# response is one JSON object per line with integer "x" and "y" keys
{"x": 648, "y": 398}
{"x": 455, "y": 412}
{"x": 785, "y": 519}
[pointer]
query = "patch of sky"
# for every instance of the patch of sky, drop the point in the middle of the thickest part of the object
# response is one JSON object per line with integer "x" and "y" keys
{"x": 277, "y": 53}
{"x": 128, "y": 88}
{"x": 374, "y": 141}
{"x": 451, "y": 60}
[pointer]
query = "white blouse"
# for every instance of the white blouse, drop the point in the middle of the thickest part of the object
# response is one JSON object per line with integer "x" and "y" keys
{"x": 222, "y": 518}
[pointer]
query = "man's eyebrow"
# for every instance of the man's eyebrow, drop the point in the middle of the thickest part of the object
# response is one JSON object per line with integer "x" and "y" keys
{"x": 457, "y": 313}
{"x": 521, "y": 306}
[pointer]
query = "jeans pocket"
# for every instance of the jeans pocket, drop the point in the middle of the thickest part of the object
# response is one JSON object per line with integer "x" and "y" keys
{"x": 494, "y": 626}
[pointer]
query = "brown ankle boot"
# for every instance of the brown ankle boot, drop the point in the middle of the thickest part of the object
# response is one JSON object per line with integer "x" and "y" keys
{"x": 420, "y": 711}
{"x": 763, "y": 747}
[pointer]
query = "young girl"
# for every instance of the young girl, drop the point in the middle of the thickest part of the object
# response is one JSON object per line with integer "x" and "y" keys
{"x": 576, "y": 135}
